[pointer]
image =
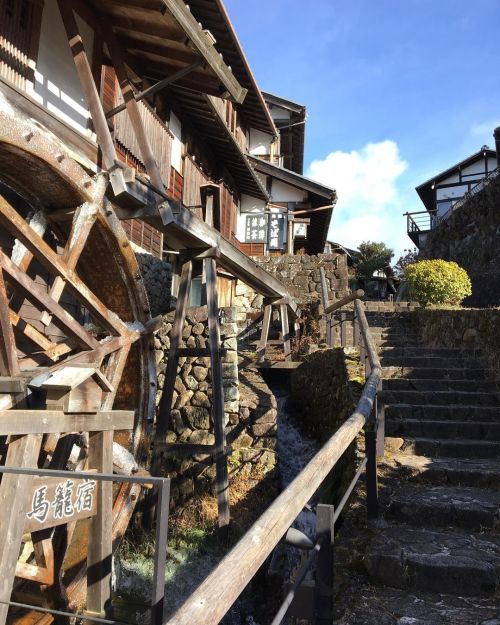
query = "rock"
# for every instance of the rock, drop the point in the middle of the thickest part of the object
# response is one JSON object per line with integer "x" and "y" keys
{"x": 229, "y": 370}
{"x": 228, "y": 330}
{"x": 198, "y": 417}
{"x": 183, "y": 399}
{"x": 190, "y": 382}
{"x": 177, "y": 422}
{"x": 231, "y": 393}
{"x": 186, "y": 332}
{"x": 264, "y": 429}
{"x": 170, "y": 437}
{"x": 230, "y": 344}
{"x": 200, "y": 399}
{"x": 199, "y": 373}
{"x": 197, "y": 315}
{"x": 198, "y": 329}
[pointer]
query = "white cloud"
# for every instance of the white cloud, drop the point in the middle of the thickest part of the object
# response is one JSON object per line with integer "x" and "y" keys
{"x": 370, "y": 205}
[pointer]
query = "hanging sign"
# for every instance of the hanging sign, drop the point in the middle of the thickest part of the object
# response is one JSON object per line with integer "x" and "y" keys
{"x": 255, "y": 229}
{"x": 277, "y": 230}
{"x": 56, "y": 501}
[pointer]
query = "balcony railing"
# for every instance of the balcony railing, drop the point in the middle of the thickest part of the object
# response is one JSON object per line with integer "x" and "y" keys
{"x": 421, "y": 222}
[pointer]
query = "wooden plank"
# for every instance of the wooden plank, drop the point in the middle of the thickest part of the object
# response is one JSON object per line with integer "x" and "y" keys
{"x": 16, "y": 225}
{"x": 217, "y": 393}
{"x": 9, "y": 364}
{"x": 35, "y": 573}
{"x": 285, "y": 331}
{"x": 100, "y": 547}
{"x": 32, "y": 291}
{"x": 266, "y": 322}
{"x": 83, "y": 222}
{"x": 68, "y": 378}
{"x": 14, "y": 502}
{"x": 324, "y": 289}
{"x": 182, "y": 15}
{"x": 17, "y": 422}
{"x": 87, "y": 83}
{"x": 175, "y": 338}
{"x": 56, "y": 501}
{"x": 11, "y": 385}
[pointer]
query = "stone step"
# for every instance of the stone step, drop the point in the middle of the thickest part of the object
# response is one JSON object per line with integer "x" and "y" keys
{"x": 455, "y": 398}
{"x": 433, "y": 362}
{"x": 402, "y": 341}
{"x": 443, "y": 447}
{"x": 450, "y": 562}
{"x": 391, "y": 606}
{"x": 441, "y": 413}
{"x": 438, "y": 373}
{"x": 428, "y": 352}
{"x": 430, "y": 384}
{"x": 480, "y": 473}
{"x": 471, "y": 509}
{"x": 443, "y": 429}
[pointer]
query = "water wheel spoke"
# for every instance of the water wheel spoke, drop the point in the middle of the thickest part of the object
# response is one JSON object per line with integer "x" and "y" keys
{"x": 16, "y": 225}
{"x": 9, "y": 364}
{"x": 33, "y": 291}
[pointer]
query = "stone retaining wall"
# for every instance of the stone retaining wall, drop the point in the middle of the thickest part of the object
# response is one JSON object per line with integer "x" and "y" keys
{"x": 250, "y": 407}
{"x": 301, "y": 275}
{"x": 157, "y": 278}
{"x": 471, "y": 237}
{"x": 468, "y": 328}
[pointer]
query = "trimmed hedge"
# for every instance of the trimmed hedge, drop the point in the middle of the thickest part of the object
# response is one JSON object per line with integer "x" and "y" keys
{"x": 438, "y": 282}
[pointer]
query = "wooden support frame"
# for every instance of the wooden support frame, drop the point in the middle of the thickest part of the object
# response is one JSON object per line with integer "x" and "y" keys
{"x": 266, "y": 322}
{"x": 9, "y": 365}
{"x": 285, "y": 331}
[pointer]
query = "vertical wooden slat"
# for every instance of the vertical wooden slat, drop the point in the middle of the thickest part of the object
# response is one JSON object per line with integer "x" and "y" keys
{"x": 285, "y": 331}
{"x": 266, "y": 322}
{"x": 323, "y": 592}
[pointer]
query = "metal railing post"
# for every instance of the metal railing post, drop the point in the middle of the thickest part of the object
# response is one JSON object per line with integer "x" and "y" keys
{"x": 323, "y": 588}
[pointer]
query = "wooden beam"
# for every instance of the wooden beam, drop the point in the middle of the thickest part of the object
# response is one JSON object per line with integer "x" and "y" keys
{"x": 14, "y": 502}
{"x": 285, "y": 331}
{"x": 266, "y": 322}
{"x": 9, "y": 364}
{"x": 16, "y": 225}
{"x": 18, "y": 422}
{"x": 83, "y": 222}
{"x": 182, "y": 15}
{"x": 34, "y": 292}
{"x": 133, "y": 112}
{"x": 175, "y": 339}
{"x": 87, "y": 83}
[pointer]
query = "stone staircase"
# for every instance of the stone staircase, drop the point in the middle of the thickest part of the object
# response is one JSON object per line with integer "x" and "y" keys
{"x": 434, "y": 558}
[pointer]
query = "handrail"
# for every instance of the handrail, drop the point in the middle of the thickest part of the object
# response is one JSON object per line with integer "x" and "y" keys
{"x": 216, "y": 594}
{"x": 345, "y": 300}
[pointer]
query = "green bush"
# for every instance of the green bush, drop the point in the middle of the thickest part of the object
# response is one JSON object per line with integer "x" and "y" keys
{"x": 437, "y": 282}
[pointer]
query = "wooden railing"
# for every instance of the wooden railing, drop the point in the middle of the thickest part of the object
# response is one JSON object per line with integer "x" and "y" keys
{"x": 217, "y": 593}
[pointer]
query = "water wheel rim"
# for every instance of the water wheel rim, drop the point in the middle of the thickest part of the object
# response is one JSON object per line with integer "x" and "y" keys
{"x": 59, "y": 181}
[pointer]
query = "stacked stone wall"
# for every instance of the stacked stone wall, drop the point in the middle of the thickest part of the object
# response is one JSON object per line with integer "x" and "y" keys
{"x": 471, "y": 237}
{"x": 249, "y": 407}
{"x": 157, "y": 277}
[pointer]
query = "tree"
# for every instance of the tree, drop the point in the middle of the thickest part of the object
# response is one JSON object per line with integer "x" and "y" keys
{"x": 371, "y": 257}
{"x": 409, "y": 258}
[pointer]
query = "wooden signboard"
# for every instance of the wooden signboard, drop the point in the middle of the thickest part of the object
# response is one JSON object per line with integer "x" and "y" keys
{"x": 56, "y": 501}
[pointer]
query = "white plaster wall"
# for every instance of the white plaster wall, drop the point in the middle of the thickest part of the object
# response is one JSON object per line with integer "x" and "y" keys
{"x": 259, "y": 143}
{"x": 279, "y": 113}
{"x": 57, "y": 86}
{"x": 282, "y": 192}
{"x": 450, "y": 179}
{"x": 451, "y": 192}
{"x": 474, "y": 168}
{"x": 248, "y": 205}
{"x": 175, "y": 127}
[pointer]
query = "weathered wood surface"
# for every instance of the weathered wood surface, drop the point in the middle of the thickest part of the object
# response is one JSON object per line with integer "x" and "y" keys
{"x": 266, "y": 322}
{"x": 213, "y": 598}
{"x": 18, "y": 422}
{"x": 14, "y": 502}
{"x": 214, "y": 341}
{"x": 367, "y": 338}
{"x": 9, "y": 365}
{"x": 345, "y": 300}
{"x": 285, "y": 331}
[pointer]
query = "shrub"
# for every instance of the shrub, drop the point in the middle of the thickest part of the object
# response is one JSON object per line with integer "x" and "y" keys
{"x": 437, "y": 282}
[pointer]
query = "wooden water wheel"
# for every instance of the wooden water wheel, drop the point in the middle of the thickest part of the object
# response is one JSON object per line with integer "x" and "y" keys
{"x": 70, "y": 294}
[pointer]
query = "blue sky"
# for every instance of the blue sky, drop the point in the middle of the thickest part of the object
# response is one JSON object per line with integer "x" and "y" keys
{"x": 396, "y": 91}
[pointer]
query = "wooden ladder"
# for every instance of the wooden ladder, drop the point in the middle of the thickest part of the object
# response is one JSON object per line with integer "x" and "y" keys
{"x": 210, "y": 195}
{"x": 285, "y": 330}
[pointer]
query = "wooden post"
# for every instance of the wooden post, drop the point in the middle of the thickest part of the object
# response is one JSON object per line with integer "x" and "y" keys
{"x": 14, "y": 501}
{"x": 323, "y": 589}
{"x": 89, "y": 88}
{"x": 9, "y": 365}
{"x": 175, "y": 339}
{"x": 380, "y": 408}
{"x": 356, "y": 331}
{"x": 217, "y": 392}
{"x": 100, "y": 545}
{"x": 285, "y": 330}
{"x": 371, "y": 467}
{"x": 266, "y": 322}
{"x": 325, "y": 302}
{"x": 343, "y": 329}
